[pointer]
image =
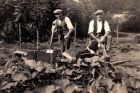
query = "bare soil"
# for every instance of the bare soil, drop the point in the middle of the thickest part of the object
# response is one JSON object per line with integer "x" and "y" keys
{"x": 124, "y": 50}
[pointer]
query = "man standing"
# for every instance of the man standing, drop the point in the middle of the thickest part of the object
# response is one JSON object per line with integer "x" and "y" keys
{"x": 63, "y": 27}
{"x": 99, "y": 32}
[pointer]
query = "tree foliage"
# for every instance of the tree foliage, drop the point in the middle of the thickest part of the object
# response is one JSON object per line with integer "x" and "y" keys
{"x": 40, "y": 12}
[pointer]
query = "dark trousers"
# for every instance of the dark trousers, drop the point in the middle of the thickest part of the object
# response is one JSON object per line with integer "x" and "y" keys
{"x": 93, "y": 44}
{"x": 108, "y": 43}
{"x": 64, "y": 43}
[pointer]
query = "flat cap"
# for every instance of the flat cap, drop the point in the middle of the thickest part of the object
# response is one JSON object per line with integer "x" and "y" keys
{"x": 99, "y": 12}
{"x": 57, "y": 11}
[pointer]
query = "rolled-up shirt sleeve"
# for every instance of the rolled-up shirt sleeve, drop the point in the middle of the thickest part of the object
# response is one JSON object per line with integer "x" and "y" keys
{"x": 106, "y": 27}
{"x": 91, "y": 29}
{"x": 68, "y": 23}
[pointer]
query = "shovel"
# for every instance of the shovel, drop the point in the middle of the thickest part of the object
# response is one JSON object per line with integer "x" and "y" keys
{"x": 50, "y": 50}
{"x": 51, "y": 39}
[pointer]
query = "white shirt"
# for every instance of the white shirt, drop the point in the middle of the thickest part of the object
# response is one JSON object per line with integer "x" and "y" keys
{"x": 59, "y": 22}
{"x": 68, "y": 23}
{"x": 99, "y": 26}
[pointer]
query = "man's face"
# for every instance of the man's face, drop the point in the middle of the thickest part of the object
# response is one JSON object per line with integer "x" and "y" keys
{"x": 58, "y": 15}
{"x": 99, "y": 17}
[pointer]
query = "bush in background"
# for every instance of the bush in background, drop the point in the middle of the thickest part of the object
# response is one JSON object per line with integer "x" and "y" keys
{"x": 132, "y": 23}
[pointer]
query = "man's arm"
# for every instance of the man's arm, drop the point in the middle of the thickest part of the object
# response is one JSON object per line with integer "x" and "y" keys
{"x": 91, "y": 29}
{"x": 104, "y": 37}
{"x": 92, "y": 36}
{"x": 70, "y": 27}
{"x": 107, "y": 31}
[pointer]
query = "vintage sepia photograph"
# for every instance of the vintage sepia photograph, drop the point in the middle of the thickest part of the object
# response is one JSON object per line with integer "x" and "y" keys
{"x": 69, "y": 46}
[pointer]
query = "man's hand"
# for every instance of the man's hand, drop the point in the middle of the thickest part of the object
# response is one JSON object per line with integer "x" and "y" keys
{"x": 69, "y": 33}
{"x": 66, "y": 36}
{"x": 102, "y": 39}
{"x": 98, "y": 40}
